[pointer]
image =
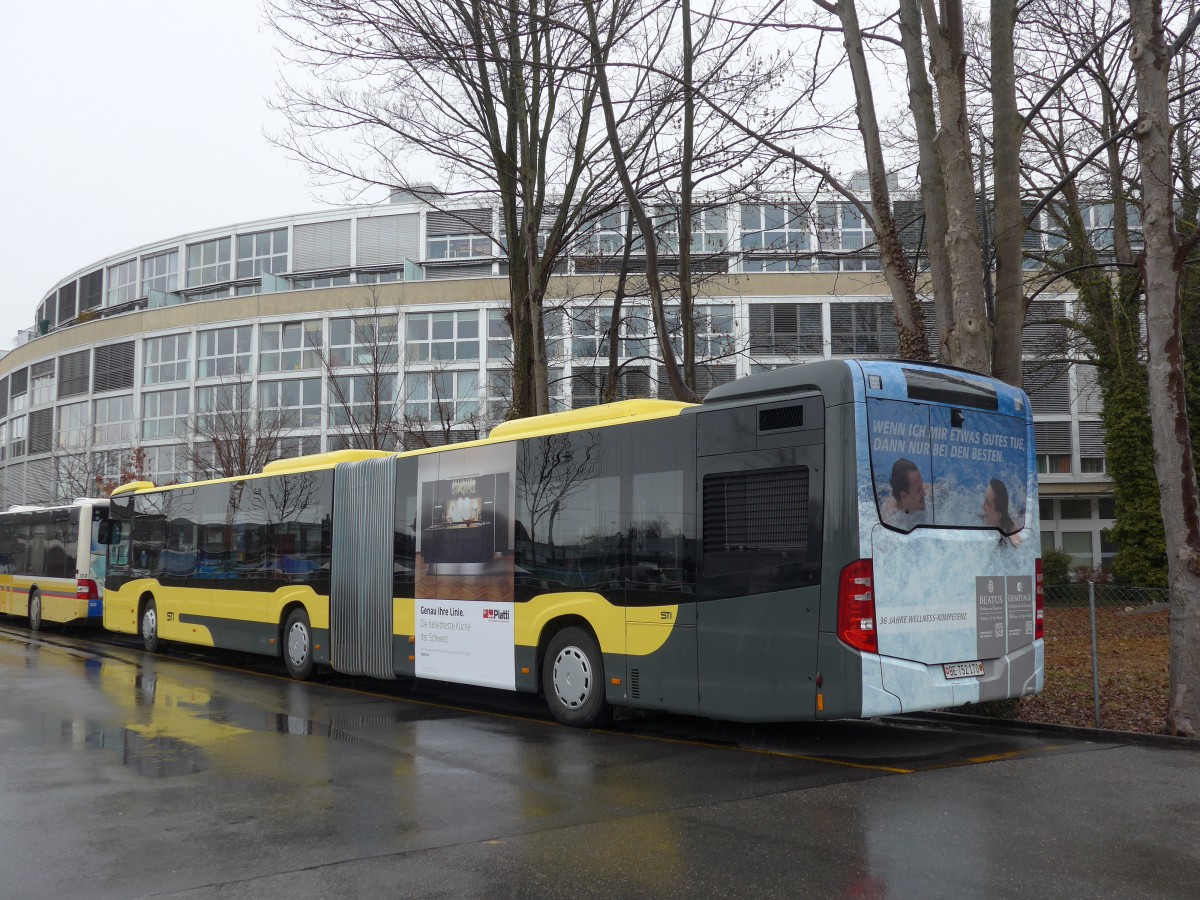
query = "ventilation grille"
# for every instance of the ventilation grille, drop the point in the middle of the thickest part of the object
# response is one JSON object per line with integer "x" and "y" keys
{"x": 757, "y": 512}
{"x": 635, "y": 684}
{"x": 781, "y": 417}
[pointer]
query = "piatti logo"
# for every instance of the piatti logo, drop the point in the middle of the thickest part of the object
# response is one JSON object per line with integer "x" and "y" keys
{"x": 501, "y": 615}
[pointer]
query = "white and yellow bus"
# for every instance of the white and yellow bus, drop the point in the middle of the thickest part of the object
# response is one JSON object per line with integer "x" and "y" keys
{"x": 52, "y": 562}
{"x": 838, "y": 539}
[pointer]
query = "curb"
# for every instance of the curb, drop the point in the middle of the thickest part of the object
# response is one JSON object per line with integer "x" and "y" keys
{"x": 1134, "y": 738}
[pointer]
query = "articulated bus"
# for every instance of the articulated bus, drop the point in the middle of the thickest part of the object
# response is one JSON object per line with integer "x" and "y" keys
{"x": 835, "y": 539}
{"x": 52, "y": 562}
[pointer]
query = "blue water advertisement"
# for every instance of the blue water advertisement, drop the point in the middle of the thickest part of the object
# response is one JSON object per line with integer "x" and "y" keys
{"x": 948, "y": 514}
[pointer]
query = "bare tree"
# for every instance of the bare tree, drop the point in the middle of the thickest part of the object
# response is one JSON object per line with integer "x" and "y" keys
{"x": 496, "y": 94}
{"x": 360, "y": 373}
{"x": 1161, "y": 264}
{"x": 230, "y": 434}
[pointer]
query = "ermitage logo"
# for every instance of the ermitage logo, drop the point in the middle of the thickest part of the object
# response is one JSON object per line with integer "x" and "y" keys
{"x": 499, "y": 614}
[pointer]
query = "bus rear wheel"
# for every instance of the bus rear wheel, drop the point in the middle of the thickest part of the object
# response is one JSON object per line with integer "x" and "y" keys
{"x": 573, "y": 679}
{"x": 35, "y": 610}
{"x": 149, "y": 626}
{"x": 297, "y": 645}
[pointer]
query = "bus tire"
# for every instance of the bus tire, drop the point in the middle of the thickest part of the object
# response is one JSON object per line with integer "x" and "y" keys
{"x": 573, "y": 679}
{"x": 35, "y": 610}
{"x": 297, "y": 645}
{"x": 148, "y": 626}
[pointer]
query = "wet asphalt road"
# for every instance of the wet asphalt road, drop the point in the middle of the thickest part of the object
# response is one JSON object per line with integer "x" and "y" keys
{"x": 126, "y": 775}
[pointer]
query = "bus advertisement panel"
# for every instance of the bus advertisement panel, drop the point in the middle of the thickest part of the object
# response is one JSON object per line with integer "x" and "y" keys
{"x": 948, "y": 514}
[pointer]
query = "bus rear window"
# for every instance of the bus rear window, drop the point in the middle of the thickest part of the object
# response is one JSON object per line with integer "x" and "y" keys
{"x": 947, "y": 465}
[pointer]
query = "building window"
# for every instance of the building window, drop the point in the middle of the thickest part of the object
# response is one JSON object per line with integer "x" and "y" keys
{"x": 1079, "y": 545}
{"x": 19, "y": 381}
{"x": 291, "y": 447}
{"x": 710, "y": 231}
{"x": 379, "y": 277}
{"x": 42, "y": 374}
{"x": 362, "y": 401}
{"x": 500, "y": 345}
{"x": 1054, "y": 463}
{"x": 296, "y": 403}
{"x": 264, "y": 251}
{"x": 442, "y": 336}
{"x": 323, "y": 281}
{"x": 160, "y": 273}
{"x": 167, "y": 465}
{"x": 114, "y": 420}
{"x": 224, "y": 352}
{"x": 458, "y": 246}
{"x": 606, "y": 236}
{"x": 166, "y": 359}
{"x": 208, "y": 262}
{"x": 714, "y": 331}
{"x": 786, "y": 329}
{"x": 441, "y": 397}
{"x": 73, "y": 425}
{"x": 590, "y": 326}
{"x": 165, "y": 413}
{"x": 122, "y": 282}
{"x": 222, "y": 410}
{"x": 289, "y": 346}
{"x": 862, "y": 328}
{"x": 16, "y": 437}
{"x": 365, "y": 341}
{"x": 776, "y": 228}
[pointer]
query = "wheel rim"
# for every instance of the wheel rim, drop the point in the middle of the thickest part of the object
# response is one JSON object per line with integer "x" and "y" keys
{"x": 572, "y": 677}
{"x": 149, "y": 624}
{"x": 298, "y": 644}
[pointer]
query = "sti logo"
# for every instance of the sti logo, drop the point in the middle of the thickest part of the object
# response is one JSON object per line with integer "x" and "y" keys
{"x": 500, "y": 615}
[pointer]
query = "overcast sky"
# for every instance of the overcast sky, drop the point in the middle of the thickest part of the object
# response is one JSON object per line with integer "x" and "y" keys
{"x": 130, "y": 121}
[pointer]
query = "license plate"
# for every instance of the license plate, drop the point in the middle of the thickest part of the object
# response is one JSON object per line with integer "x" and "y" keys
{"x": 963, "y": 669}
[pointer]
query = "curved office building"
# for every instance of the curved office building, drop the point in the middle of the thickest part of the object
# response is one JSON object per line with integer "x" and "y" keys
{"x": 301, "y": 315}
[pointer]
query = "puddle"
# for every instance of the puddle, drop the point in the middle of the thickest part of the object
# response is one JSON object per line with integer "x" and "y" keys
{"x": 150, "y": 757}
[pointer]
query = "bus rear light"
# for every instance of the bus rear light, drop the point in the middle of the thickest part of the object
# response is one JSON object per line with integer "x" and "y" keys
{"x": 856, "y": 607}
{"x": 1039, "y": 603}
{"x": 86, "y": 589}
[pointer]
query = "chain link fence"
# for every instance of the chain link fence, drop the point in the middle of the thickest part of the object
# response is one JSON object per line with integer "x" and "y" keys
{"x": 1106, "y": 595}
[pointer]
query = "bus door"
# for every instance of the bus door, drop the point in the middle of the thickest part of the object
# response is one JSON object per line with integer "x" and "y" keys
{"x": 759, "y": 574}
{"x": 360, "y": 591}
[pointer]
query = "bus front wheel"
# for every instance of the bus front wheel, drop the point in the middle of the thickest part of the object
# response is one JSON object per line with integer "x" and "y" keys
{"x": 35, "y": 610}
{"x": 297, "y": 645}
{"x": 149, "y": 626}
{"x": 573, "y": 679}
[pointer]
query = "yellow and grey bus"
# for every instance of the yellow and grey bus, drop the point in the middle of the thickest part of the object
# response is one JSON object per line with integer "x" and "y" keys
{"x": 52, "y": 562}
{"x": 836, "y": 539}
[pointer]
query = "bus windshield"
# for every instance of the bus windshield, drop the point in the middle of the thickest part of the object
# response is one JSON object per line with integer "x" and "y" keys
{"x": 948, "y": 463}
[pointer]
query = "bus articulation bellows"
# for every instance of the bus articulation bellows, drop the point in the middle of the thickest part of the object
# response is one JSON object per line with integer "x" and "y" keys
{"x": 836, "y": 539}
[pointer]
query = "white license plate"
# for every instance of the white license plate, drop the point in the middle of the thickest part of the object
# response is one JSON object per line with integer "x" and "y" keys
{"x": 963, "y": 669}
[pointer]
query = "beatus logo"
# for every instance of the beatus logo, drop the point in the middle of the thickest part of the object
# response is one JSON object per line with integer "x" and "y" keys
{"x": 502, "y": 615}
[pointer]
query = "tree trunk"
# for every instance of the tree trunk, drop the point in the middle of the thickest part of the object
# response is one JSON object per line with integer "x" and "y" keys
{"x": 1007, "y": 128}
{"x": 933, "y": 187}
{"x": 909, "y": 317}
{"x": 1168, "y": 407}
{"x": 970, "y": 338}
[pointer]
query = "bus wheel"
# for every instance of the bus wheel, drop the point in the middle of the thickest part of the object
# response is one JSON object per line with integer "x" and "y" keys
{"x": 297, "y": 645}
{"x": 35, "y": 610}
{"x": 150, "y": 626}
{"x": 573, "y": 679}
